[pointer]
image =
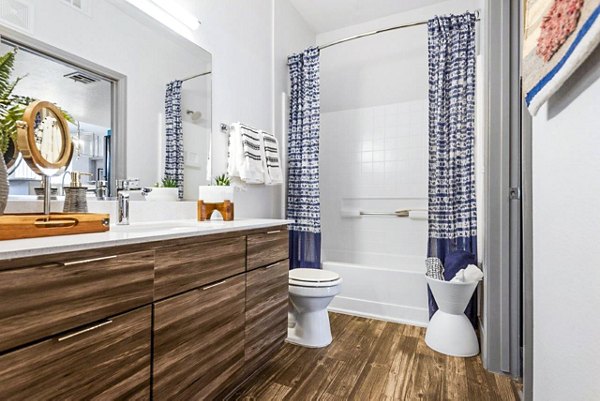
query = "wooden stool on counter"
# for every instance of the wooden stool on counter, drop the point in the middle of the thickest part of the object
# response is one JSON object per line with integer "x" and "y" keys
{"x": 205, "y": 210}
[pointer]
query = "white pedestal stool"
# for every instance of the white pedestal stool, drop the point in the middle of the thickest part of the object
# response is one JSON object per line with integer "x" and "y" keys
{"x": 450, "y": 331}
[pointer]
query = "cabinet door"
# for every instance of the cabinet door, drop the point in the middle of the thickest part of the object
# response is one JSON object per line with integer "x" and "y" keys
{"x": 268, "y": 247}
{"x": 266, "y": 312}
{"x": 107, "y": 360}
{"x": 199, "y": 341}
{"x": 180, "y": 268}
{"x": 42, "y": 301}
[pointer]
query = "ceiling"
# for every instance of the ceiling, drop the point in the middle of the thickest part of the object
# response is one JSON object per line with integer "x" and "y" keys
{"x": 329, "y": 15}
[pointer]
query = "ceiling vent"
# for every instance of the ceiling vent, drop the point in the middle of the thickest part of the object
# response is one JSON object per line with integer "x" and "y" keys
{"x": 79, "y": 76}
{"x": 17, "y": 14}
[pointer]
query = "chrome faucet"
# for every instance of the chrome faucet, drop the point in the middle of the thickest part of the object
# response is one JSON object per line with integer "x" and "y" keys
{"x": 123, "y": 208}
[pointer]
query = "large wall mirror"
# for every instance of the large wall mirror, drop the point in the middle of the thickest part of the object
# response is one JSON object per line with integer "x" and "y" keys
{"x": 111, "y": 80}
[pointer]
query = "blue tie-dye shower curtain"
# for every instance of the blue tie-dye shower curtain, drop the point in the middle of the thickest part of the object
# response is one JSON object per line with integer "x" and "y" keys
{"x": 303, "y": 204}
{"x": 452, "y": 203}
{"x": 174, "y": 135}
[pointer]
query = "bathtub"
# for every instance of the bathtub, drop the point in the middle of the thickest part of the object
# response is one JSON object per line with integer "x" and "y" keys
{"x": 392, "y": 294}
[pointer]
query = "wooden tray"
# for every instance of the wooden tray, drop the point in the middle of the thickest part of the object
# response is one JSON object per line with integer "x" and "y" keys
{"x": 18, "y": 226}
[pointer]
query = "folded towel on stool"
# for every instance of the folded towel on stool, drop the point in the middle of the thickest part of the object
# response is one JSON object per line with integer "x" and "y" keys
{"x": 470, "y": 274}
{"x": 456, "y": 260}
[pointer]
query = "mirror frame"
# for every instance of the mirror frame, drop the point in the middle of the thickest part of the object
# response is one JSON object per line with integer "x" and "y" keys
{"x": 27, "y": 145}
{"x": 15, "y": 159}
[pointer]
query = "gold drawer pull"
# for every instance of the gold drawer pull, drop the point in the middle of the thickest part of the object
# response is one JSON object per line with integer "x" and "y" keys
{"x": 208, "y": 287}
{"x": 274, "y": 232}
{"x": 84, "y": 330}
{"x": 80, "y": 262}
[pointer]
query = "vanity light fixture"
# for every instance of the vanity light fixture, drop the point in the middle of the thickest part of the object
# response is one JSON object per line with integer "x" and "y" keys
{"x": 171, "y": 15}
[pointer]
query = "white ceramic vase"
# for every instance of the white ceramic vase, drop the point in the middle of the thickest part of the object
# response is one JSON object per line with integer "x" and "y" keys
{"x": 3, "y": 185}
{"x": 216, "y": 193}
{"x": 162, "y": 194}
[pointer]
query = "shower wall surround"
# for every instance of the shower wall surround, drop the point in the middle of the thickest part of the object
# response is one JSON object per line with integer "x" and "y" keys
{"x": 375, "y": 159}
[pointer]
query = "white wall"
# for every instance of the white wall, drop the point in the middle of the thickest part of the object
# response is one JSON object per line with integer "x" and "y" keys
{"x": 566, "y": 255}
{"x": 291, "y": 35}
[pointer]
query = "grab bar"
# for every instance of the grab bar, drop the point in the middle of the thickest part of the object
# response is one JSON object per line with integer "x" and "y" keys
{"x": 397, "y": 213}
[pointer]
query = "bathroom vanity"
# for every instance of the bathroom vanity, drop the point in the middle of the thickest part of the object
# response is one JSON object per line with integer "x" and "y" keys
{"x": 142, "y": 313}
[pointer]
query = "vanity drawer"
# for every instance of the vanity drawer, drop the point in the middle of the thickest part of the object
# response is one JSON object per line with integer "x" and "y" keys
{"x": 106, "y": 360}
{"x": 42, "y": 301}
{"x": 199, "y": 341}
{"x": 266, "y": 312}
{"x": 268, "y": 247}
{"x": 180, "y": 268}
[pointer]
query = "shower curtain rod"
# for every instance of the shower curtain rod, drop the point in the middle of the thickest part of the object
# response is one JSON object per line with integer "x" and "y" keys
{"x": 362, "y": 35}
{"x": 196, "y": 76}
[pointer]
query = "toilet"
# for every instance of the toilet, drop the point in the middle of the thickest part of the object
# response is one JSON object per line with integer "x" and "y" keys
{"x": 311, "y": 291}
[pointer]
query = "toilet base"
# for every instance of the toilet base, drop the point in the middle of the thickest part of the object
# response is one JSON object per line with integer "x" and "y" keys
{"x": 452, "y": 335}
{"x": 311, "y": 330}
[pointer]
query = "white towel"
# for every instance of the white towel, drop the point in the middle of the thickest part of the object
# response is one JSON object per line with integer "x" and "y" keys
{"x": 245, "y": 155}
{"x": 469, "y": 275}
{"x": 271, "y": 159}
{"x": 251, "y": 170}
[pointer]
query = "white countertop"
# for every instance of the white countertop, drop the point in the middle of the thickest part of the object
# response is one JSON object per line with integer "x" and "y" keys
{"x": 135, "y": 233}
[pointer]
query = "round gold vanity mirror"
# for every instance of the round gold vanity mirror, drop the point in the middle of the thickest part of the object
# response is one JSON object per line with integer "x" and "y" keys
{"x": 44, "y": 139}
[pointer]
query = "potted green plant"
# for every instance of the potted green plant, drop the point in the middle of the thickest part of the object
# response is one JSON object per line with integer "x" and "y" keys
{"x": 12, "y": 108}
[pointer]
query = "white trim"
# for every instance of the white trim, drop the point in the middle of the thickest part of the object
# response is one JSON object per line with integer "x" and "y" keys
{"x": 374, "y": 310}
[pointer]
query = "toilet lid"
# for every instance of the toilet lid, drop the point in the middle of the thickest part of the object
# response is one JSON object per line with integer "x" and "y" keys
{"x": 313, "y": 277}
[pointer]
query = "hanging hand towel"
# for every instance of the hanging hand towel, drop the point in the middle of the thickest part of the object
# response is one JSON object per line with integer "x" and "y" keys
{"x": 251, "y": 169}
{"x": 271, "y": 159}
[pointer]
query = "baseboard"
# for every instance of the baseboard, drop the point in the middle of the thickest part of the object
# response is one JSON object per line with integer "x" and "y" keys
{"x": 380, "y": 311}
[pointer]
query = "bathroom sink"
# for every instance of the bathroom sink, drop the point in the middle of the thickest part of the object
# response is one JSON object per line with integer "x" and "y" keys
{"x": 162, "y": 226}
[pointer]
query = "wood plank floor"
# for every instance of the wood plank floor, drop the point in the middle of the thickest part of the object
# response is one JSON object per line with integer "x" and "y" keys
{"x": 374, "y": 360}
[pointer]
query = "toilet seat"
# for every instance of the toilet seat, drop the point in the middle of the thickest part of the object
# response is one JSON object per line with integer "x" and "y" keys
{"x": 313, "y": 278}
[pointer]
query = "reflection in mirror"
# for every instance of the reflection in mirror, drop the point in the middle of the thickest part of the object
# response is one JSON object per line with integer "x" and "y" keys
{"x": 85, "y": 96}
{"x": 113, "y": 87}
{"x": 196, "y": 125}
{"x": 48, "y": 135}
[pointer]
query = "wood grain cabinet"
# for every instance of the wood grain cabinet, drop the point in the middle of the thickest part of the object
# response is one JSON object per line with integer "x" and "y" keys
{"x": 267, "y": 248}
{"x": 181, "y": 267}
{"x": 45, "y": 300}
{"x": 199, "y": 341}
{"x": 185, "y": 319}
{"x": 266, "y": 312}
{"x": 107, "y": 360}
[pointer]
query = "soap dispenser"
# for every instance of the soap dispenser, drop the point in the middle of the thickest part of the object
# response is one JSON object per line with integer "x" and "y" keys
{"x": 75, "y": 195}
